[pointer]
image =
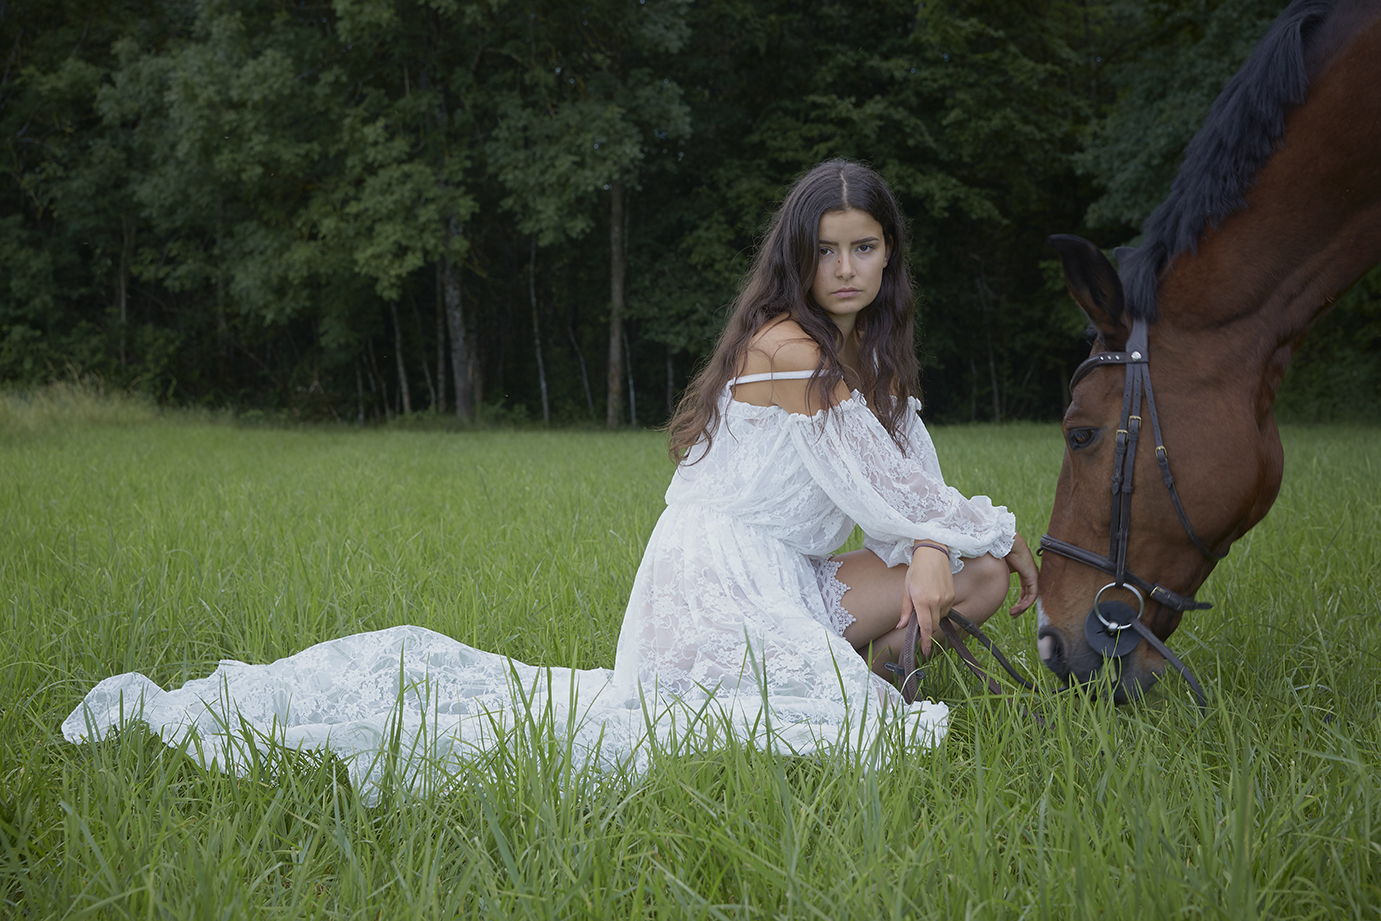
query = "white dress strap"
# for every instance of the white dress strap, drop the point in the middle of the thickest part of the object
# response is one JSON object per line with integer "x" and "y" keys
{"x": 771, "y": 376}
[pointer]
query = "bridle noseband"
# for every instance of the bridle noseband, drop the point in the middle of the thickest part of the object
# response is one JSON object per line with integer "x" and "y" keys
{"x": 1104, "y": 634}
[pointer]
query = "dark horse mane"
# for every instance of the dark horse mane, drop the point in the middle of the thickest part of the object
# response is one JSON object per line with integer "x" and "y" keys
{"x": 1221, "y": 162}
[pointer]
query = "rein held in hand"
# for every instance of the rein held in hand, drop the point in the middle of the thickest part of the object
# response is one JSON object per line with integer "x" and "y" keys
{"x": 950, "y": 625}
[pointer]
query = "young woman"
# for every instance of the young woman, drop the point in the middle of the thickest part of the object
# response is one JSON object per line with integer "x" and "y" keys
{"x": 740, "y": 621}
{"x": 802, "y": 424}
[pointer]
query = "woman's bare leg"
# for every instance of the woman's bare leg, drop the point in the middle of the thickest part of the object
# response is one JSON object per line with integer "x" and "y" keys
{"x": 874, "y": 599}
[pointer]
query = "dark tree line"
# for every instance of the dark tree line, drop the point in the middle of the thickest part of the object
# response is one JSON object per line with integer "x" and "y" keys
{"x": 361, "y": 208}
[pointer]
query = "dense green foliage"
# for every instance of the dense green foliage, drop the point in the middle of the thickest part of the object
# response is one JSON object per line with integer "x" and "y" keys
{"x": 346, "y": 209}
{"x": 165, "y": 546}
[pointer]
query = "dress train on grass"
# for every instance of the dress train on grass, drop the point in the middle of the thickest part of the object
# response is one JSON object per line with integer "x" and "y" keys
{"x": 733, "y": 628}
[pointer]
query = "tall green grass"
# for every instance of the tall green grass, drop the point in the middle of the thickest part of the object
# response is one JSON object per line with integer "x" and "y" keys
{"x": 66, "y": 403}
{"x": 166, "y": 547}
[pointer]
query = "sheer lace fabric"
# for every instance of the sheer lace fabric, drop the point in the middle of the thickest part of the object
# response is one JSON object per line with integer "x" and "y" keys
{"x": 832, "y": 591}
{"x": 729, "y": 621}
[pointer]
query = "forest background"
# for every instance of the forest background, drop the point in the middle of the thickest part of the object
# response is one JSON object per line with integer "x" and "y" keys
{"x": 539, "y": 209}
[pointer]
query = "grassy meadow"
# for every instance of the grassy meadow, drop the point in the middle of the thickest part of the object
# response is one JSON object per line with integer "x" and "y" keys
{"x": 131, "y": 540}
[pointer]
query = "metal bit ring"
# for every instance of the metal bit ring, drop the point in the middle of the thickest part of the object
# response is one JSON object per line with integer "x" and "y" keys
{"x": 1113, "y": 626}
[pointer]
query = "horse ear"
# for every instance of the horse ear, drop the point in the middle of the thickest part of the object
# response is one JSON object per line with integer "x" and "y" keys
{"x": 1093, "y": 283}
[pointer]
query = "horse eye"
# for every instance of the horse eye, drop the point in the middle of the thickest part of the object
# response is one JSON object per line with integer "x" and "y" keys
{"x": 1081, "y": 438}
{"x": 1090, "y": 335}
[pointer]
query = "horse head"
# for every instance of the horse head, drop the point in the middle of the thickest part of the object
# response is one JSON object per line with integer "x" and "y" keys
{"x": 1171, "y": 449}
{"x": 1160, "y": 475}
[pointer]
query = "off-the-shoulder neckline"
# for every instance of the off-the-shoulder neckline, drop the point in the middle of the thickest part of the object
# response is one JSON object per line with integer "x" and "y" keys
{"x": 855, "y": 402}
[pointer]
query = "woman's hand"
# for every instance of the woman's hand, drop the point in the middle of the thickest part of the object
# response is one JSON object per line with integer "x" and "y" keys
{"x": 1023, "y": 564}
{"x": 929, "y": 591}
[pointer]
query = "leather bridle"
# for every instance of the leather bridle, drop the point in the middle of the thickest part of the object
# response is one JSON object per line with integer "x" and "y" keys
{"x": 1105, "y": 624}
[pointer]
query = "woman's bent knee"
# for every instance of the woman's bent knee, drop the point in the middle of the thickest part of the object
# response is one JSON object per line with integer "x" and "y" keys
{"x": 981, "y": 586}
{"x": 990, "y": 569}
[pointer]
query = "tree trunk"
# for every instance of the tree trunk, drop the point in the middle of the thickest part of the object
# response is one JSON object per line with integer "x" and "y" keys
{"x": 422, "y": 354}
{"x": 537, "y": 328}
{"x": 122, "y": 287}
{"x": 460, "y": 351}
{"x": 985, "y": 296}
{"x": 383, "y": 386}
{"x": 584, "y": 374}
{"x": 222, "y": 326}
{"x": 973, "y": 389}
{"x": 992, "y": 373}
{"x": 613, "y": 410}
{"x": 403, "y": 389}
{"x": 632, "y": 395}
{"x": 359, "y": 391}
{"x": 501, "y": 332}
{"x": 431, "y": 388}
{"x": 440, "y": 343}
{"x": 671, "y": 385}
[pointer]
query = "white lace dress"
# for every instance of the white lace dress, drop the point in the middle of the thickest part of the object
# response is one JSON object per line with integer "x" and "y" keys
{"x": 733, "y": 627}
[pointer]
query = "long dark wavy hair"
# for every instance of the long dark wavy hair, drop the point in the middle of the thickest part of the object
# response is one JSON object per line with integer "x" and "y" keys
{"x": 778, "y": 285}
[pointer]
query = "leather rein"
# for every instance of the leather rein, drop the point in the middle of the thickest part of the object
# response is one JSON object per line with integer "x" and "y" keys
{"x": 1106, "y": 623}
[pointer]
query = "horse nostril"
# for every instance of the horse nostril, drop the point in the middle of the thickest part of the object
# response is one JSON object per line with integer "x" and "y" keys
{"x": 1051, "y": 650}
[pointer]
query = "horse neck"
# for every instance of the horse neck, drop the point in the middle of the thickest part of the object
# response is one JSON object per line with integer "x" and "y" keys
{"x": 1312, "y": 226}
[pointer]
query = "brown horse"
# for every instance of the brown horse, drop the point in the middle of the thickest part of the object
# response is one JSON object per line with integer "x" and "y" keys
{"x": 1276, "y": 211}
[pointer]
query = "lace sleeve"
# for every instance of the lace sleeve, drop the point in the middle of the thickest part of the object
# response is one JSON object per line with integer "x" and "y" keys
{"x": 896, "y": 498}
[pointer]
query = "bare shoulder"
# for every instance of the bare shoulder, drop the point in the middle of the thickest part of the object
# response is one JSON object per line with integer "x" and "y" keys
{"x": 781, "y": 346}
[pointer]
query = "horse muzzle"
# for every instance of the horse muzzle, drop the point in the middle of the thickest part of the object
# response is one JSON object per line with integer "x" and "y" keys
{"x": 1106, "y": 650}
